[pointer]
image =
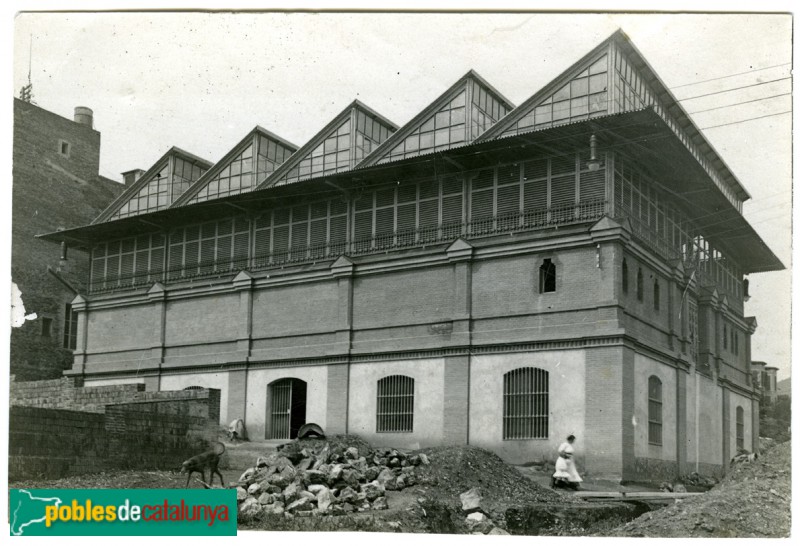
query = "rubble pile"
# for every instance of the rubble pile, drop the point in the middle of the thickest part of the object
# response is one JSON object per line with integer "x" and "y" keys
{"x": 455, "y": 469}
{"x": 752, "y": 500}
{"x": 325, "y": 478}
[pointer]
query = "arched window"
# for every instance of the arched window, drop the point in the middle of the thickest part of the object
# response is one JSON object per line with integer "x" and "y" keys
{"x": 547, "y": 276}
{"x": 194, "y": 388}
{"x": 395, "y": 404}
{"x": 739, "y": 427}
{"x": 624, "y": 276}
{"x": 526, "y": 404}
{"x": 639, "y": 285}
{"x": 654, "y": 406}
{"x": 656, "y": 295}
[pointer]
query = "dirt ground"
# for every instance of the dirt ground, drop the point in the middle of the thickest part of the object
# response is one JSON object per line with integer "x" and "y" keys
{"x": 752, "y": 501}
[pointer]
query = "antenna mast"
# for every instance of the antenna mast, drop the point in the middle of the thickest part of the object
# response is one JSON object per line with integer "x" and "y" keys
{"x": 26, "y": 93}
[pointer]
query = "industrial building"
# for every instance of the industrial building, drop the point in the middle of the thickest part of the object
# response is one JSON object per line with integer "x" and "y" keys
{"x": 487, "y": 274}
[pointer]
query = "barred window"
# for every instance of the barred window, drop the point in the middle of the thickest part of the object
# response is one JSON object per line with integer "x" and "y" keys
{"x": 694, "y": 331}
{"x": 70, "y": 327}
{"x": 526, "y": 404}
{"x": 395, "y": 404}
{"x": 624, "y": 276}
{"x": 639, "y": 285}
{"x": 656, "y": 295}
{"x": 547, "y": 276}
{"x": 194, "y": 388}
{"x": 654, "y": 407}
{"x": 739, "y": 427}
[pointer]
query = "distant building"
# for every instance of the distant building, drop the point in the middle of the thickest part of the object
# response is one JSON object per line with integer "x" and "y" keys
{"x": 55, "y": 185}
{"x": 486, "y": 274}
{"x": 765, "y": 379}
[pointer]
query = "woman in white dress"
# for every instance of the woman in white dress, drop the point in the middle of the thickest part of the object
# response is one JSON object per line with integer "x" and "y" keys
{"x": 566, "y": 474}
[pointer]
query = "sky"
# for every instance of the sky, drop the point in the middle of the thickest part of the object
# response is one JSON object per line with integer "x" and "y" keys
{"x": 201, "y": 81}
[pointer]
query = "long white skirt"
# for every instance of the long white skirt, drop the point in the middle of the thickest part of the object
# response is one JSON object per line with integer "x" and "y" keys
{"x": 565, "y": 468}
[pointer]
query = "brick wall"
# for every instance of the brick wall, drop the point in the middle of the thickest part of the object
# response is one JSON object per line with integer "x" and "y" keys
{"x": 606, "y": 410}
{"x": 63, "y": 394}
{"x": 46, "y": 442}
{"x": 456, "y": 400}
{"x": 159, "y": 434}
{"x": 50, "y": 191}
{"x": 56, "y": 429}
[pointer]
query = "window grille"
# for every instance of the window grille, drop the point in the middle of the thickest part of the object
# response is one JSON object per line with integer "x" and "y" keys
{"x": 526, "y": 404}
{"x": 739, "y": 427}
{"x": 639, "y": 285}
{"x": 547, "y": 276}
{"x": 70, "y": 327}
{"x": 654, "y": 407}
{"x": 694, "y": 331}
{"x": 656, "y": 295}
{"x": 624, "y": 276}
{"x": 395, "y": 404}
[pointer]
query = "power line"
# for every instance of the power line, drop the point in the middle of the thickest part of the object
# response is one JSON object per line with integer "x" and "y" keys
{"x": 742, "y": 102}
{"x": 735, "y": 89}
{"x": 730, "y": 75}
{"x": 748, "y": 119}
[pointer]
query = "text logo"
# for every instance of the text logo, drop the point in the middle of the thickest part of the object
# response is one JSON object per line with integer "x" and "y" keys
{"x": 42, "y": 512}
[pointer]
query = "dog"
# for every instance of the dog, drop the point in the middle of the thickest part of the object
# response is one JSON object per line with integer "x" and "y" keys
{"x": 199, "y": 463}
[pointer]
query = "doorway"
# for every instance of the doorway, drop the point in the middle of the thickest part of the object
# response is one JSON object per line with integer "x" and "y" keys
{"x": 287, "y": 408}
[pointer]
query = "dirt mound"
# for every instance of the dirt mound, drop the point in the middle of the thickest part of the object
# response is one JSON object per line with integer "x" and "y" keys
{"x": 753, "y": 500}
{"x": 456, "y": 469}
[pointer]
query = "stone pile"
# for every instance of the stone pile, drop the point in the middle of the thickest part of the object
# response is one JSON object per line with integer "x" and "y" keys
{"x": 326, "y": 480}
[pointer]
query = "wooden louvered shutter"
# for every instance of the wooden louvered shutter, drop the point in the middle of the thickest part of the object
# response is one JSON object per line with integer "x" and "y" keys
{"x": 384, "y": 227}
{"x": 175, "y": 266}
{"x": 562, "y": 188}
{"x": 280, "y": 235}
{"x": 319, "y": 229}
{"x": 156, "y": 258}
{"x": 482, "y": 202}
{"x": 280, "y": 244}
{"x": 263, "y": 232}
{"x": 508, "y": 197}
{"x": 142, "y": 259}
{"x": 98, "y": 267}
{"x": 428, "y": 220}
{"x": 534, "y": 192}
{"x": 452, "y": 206}
{"x": 338, "y": 235}
{"x": 593, "y": 193}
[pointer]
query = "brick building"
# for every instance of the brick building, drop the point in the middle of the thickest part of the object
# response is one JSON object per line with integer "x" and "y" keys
{"x": 486, "y": 274}
{"x": 55, "y": 185}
